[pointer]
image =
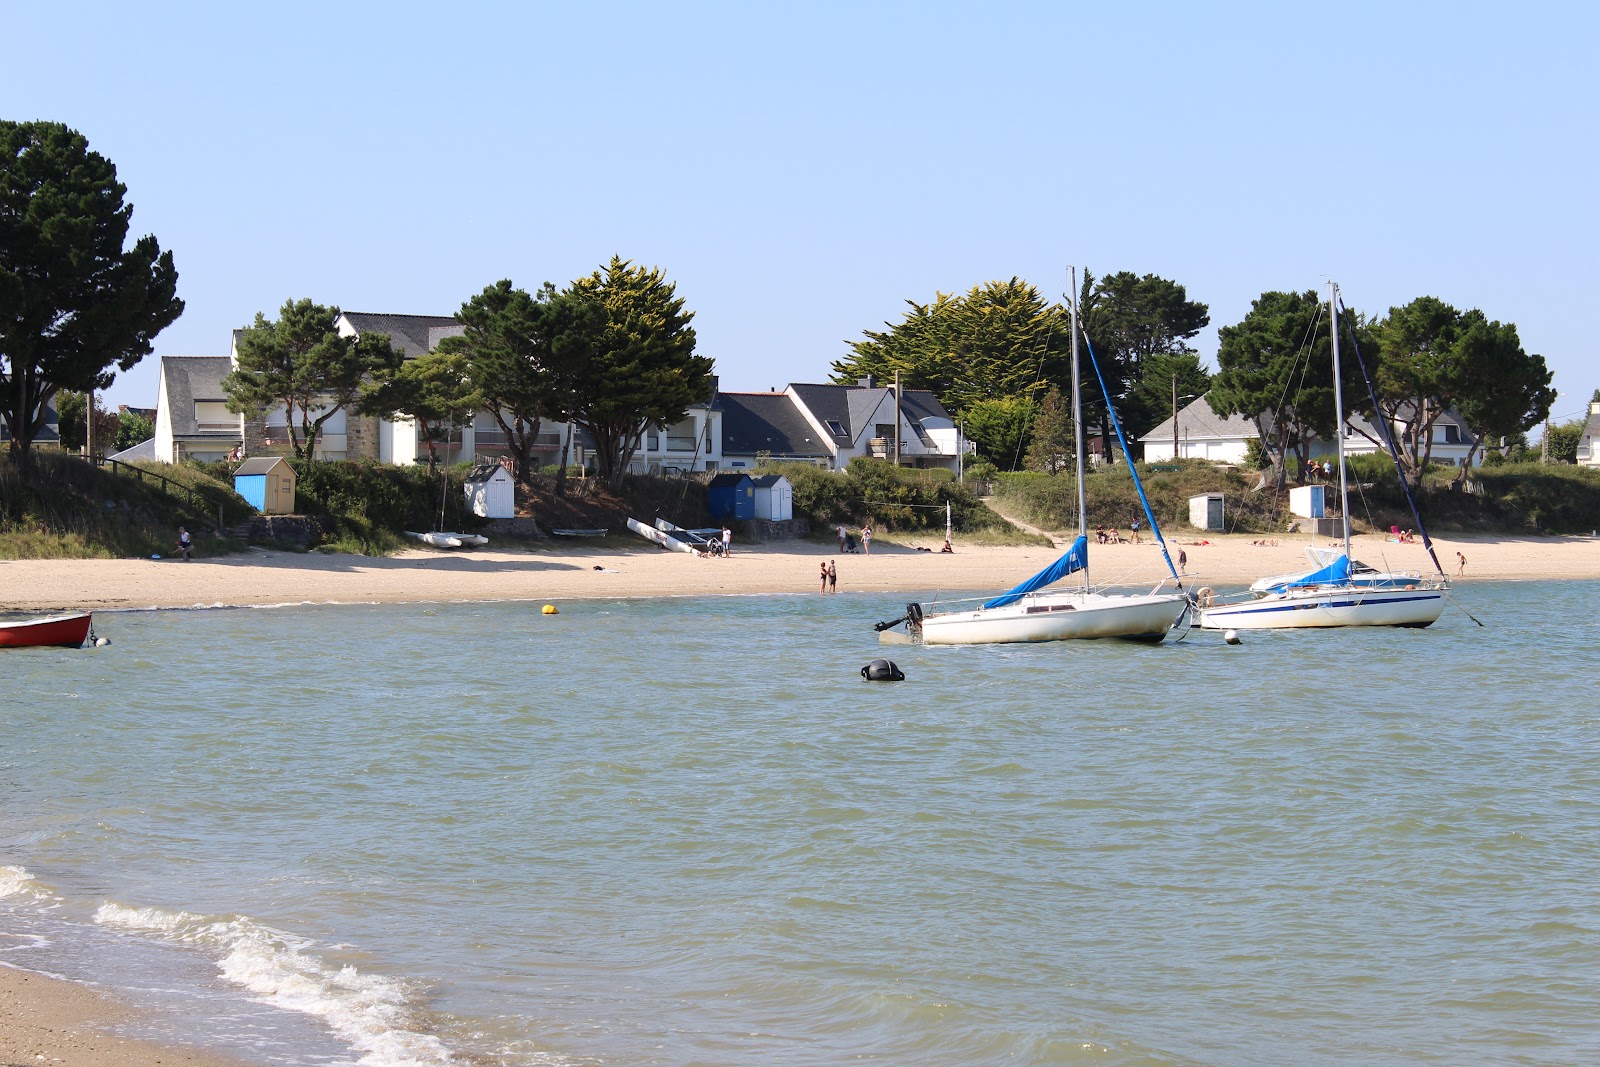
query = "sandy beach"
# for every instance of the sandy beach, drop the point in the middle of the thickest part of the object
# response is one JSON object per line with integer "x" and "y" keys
{"x": 51, "y": 1021}
{"x": 561, "y": 573}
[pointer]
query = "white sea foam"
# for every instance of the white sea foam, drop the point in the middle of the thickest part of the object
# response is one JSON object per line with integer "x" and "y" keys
{"x": 17, "y": 882}
{"x": 371, "y": 1012}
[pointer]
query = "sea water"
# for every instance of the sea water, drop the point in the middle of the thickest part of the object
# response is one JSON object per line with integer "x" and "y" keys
{"x": 686, "y": 831}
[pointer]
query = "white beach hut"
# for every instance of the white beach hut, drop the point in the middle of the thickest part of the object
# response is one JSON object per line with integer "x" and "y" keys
{"x": 491, "y": 492}
{"x": 774, "y": 497}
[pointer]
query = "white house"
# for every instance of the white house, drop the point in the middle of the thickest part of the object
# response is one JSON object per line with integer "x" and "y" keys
{"x": 830, "y": 425}
{"x": 1203, "y": 434}
{"x": 1589, "y": 443}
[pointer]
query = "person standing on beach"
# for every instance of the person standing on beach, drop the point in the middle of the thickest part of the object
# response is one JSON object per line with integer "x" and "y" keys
{"x": 824, "y": 587}
{"x": 185, "y": 544}
{"x": 727, "y": 541}
{"x": 844, "y": 535}
{"x": 1461, "y": 565}
{"x": 1134, "y": 529}
{"x": 833, "y": 577}
{"x": 1183, "y": 560}
{"x": 866, "y": 538}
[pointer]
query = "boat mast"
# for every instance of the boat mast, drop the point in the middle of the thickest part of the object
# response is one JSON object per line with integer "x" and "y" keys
{"x": 1077, "y": 423}
{"x": 1338, "y": 414}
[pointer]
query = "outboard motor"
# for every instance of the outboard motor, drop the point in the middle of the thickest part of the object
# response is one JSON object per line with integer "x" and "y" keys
{"x": 883, "y": 670}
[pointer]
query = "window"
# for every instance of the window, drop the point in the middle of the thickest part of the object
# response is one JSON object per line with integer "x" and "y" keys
{"x": 884, "y": 429}
{"x": 1452, "y": 434}
{"x": 835, "y": 428}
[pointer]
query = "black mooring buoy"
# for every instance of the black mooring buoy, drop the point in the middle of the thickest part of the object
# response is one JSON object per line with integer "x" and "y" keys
{"x": 883, "y": 670}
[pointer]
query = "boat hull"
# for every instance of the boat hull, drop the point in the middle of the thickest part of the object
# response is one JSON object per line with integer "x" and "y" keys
{"x": 1324, "y": 608}
{"x": 1058, "y": 617}
{"x": 58, "y": 631}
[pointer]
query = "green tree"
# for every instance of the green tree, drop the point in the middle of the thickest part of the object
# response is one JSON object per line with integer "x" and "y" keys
{"x": 1276, "y": 369}
{"x": 522, "y": 352}
{"x": 631, "y": 361}
{"x": 1561, "y": 442}
{"x": 73, "y": 301}
{"x": 132, "y": 429}
{"x": 1053, "y": 444}
{"x": 1131, "y": 320}
{"x": 1001, "y": 340}
{"x": 434, "y": 389}
{"x": 1433, "y": 357}
{"x": 998, "y": 428}
{"x": 301, "y": 361}
{"x": 72, "y": 422}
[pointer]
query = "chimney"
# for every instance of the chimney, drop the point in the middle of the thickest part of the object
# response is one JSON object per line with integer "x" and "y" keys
{"x": 1594, "y": 407}
{"x": 869, "y": 382}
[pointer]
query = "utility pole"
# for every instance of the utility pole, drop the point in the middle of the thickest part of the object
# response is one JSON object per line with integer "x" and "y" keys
{"x": 1174, "y": 416}
{"x": 88, "y": 426}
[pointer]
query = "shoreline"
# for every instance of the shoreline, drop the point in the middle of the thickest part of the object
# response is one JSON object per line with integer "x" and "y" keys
{"x": 45, "y": 1019}
{"x": 264, "y": 577}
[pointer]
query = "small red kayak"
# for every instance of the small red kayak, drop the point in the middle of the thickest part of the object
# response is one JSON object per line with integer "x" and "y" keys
{"x": 59, "y": 631}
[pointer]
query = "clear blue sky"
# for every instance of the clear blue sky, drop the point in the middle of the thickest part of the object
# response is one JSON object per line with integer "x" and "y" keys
{"x": 802, "y": 170}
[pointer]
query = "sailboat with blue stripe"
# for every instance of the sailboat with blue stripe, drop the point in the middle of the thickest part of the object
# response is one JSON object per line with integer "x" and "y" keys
{"x": 1341, "y": 592}
{"x": 1031, "y": 611}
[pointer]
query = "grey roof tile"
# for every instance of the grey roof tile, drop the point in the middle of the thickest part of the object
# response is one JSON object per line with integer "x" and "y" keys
{"x": 768, "y": 422}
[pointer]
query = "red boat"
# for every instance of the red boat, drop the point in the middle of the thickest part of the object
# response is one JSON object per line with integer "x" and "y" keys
{"x": 60, "y": 631}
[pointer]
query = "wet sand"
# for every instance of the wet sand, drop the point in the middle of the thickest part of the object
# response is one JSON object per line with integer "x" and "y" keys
{"x": 52, "y": 1021}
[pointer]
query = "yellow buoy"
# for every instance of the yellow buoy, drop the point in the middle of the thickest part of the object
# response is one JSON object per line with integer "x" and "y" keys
{"x": 550, "y": 609}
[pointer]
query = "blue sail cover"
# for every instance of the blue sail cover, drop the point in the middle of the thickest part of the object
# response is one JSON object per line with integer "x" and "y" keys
{"x": 1335, "y": 573}
{"x": 1075, "y": 558}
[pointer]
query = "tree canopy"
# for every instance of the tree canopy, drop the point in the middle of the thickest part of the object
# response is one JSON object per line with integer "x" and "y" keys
{"x": 300, "y": 360}
{"x": 73, "y": 301}
{"x": 435, "y": 389}
{"x": 1433, "y": 357}
{"x": 631, "y": 359}
{"x": 1276, "y": 369}
{"x": 1132, "y": 321}
{"x": 520, "y": 352}
{"x": 998, "y": 341}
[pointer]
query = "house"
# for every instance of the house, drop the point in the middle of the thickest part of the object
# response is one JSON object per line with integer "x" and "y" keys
{"x": 267, "y": 484}
{"x": 830, "y": 425}
{"x": 693, "y": 443}
{"x": 192, "y": 416}
{"x": 1589, "y": 442}
{"x": 1204, "y": 434}
{"x": 49, "y": 433}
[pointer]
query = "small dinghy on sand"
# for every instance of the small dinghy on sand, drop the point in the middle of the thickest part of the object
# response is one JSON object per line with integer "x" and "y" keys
{"x": 441, "y": 539}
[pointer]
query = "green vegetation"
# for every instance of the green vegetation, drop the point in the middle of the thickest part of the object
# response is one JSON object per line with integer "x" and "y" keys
{"x": 369, "y": 506}
{"x": 898, "y": 500}
{"x": 1517, "y": 498}
{"x": 73, "y": 302}
{"x": 1051, "y": 501}
{"x": 66, "y": 508}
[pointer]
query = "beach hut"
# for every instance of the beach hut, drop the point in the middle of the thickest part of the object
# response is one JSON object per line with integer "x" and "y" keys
{"x": 491, "y": 491}
{"x": 1309, "y": 501}
{"x": 1205, "y": 512}
{"x": 267, "y": 482}
{"x": 731, "y": 496}
{"x": 774, "y": 497}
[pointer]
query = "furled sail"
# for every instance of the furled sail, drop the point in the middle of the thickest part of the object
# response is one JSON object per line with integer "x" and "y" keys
{"x": 1075, "y": 558}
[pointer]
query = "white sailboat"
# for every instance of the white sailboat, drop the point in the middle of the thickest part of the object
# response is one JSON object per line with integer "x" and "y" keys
{"x": 1027, "y": 613}
{"x": 1342, "y": 591}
